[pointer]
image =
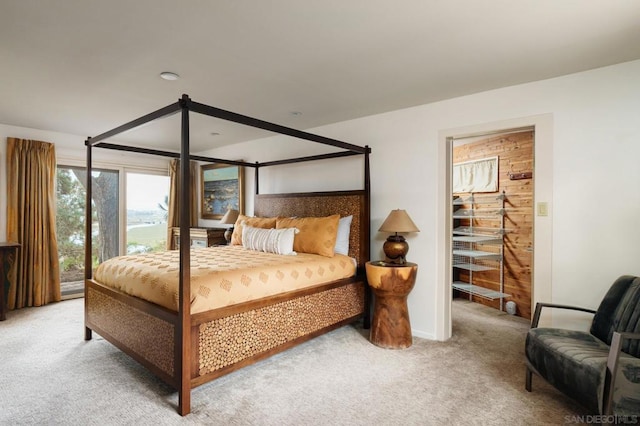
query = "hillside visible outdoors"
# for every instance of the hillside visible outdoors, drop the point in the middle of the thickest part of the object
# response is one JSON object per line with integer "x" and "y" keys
{"x": 147, "y": 211}
{"x": 146, "y": 219}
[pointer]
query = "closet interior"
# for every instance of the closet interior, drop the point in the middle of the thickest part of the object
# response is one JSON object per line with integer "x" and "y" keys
{"x": 492, "y": 205}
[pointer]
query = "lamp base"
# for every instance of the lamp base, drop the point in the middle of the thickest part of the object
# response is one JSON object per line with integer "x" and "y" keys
{"x": 227, "y": 234}
{"x": 396, "y": 248}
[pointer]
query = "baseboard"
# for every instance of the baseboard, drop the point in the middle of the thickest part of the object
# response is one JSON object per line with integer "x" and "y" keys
{"x": 422, "y": 334}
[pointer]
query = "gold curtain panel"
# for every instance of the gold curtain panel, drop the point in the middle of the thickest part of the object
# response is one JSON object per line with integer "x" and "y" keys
{"x": 31, "y": 170}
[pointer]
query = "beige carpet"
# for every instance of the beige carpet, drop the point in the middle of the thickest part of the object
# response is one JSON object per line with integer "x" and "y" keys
{"x": 52, "y": 376}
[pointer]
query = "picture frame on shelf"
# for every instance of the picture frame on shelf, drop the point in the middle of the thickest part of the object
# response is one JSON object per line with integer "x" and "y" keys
{"x": 221, "y": 189}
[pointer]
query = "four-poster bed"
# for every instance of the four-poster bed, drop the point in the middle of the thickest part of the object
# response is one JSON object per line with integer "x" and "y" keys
{"x": 186, "y": 348}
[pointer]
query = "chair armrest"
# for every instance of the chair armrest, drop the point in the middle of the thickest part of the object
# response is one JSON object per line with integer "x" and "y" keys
{"x": 612, "y": 367}
{"x": 540, "y": 305}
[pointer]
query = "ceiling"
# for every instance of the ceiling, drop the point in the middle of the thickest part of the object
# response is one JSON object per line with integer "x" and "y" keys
{"x": 86, "y": 66}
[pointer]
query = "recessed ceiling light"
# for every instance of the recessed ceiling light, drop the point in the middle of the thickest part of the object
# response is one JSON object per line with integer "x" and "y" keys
{"x": 168, "y": 75}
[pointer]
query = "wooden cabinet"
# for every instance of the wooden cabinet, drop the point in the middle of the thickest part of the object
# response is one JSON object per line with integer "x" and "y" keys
{"x": 8, "y": 252}
{"x": 200, "y": 237}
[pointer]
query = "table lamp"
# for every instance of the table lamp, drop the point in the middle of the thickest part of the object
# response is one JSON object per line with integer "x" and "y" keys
{"x": 229, "y": 218}
{"x": 396, "y": 248}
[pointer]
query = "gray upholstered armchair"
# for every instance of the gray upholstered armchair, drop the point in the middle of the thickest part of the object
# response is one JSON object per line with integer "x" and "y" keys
{"x": 599, "y": 369}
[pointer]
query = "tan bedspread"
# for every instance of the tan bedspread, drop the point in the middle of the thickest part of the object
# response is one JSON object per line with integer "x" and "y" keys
{"x": 220, "y": 276}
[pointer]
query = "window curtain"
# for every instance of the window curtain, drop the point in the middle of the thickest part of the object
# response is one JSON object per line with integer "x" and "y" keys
{"x": 476, "y": 175}
{"x": 31, "y": 170}
{"x": 173, "y": 217}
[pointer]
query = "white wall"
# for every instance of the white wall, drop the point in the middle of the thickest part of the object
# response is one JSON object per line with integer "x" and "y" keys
{"x": 591, "y": 157}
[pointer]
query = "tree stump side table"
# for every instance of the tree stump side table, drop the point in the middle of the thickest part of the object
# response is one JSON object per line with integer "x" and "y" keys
{"x": 391, "y": 285}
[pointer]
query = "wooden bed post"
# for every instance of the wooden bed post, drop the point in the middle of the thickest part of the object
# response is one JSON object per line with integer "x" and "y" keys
{"x": 257, "y": 178}
{"x": 87, "y": 241}
{"x": 367, "y": 247}
{"x": 183, "y": 331}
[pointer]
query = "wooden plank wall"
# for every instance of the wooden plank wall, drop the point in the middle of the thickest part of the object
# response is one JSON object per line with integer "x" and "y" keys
{"x": 515, "y": 153}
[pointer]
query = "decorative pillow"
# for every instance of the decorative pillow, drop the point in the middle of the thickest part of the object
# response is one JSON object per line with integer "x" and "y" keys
{"x": 317, "y": 234}
{"x": 279, "y": 241}
{"x": 256, "y": 222}
{"x": 342, "y": 239}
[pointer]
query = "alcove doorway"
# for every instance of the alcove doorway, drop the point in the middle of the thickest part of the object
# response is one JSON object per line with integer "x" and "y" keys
{"x": 492, "y": 196}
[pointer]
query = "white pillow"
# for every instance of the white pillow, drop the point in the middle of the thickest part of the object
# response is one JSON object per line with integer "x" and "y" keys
{"x": 342, "y": 239}
{"x": 279, "y": 241}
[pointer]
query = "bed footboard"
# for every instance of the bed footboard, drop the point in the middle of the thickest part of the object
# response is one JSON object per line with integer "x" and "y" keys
{"x": 226, "y": 339}
{"x": 258, "y": 333}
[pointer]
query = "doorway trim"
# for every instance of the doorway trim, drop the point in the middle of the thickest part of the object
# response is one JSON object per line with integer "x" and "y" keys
{"x": 541, "y": 274}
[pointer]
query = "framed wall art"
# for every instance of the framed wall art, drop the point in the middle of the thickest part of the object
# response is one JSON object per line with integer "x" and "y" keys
{"x": 221, "y": 189}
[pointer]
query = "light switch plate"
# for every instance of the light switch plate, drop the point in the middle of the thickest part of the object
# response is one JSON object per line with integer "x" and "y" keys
{"x": 543, "y": 209}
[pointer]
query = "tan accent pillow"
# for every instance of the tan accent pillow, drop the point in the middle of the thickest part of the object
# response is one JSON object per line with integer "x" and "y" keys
{"x": 317, "y": 234}
{"x": 256, "y": 222}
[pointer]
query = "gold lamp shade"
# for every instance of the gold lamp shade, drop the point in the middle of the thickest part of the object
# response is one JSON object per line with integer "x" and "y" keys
{"x": 396, "y": 248}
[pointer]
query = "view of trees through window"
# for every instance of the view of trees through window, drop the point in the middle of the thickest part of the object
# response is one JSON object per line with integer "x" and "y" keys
{"x": 146, "y": 219}
{"x": 70, "y": 219}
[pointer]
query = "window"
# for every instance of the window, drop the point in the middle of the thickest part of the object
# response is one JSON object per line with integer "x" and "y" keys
{"x": 147, "y": 210}
{"x": 70, "y": 221}
{"x": 145, "y": 195}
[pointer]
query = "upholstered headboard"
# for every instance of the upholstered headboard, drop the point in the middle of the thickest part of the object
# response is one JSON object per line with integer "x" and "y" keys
{"x": 319, "y": 204}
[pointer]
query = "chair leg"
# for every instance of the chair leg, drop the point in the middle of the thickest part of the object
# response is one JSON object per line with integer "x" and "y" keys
{"x": 527, "y": 380}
